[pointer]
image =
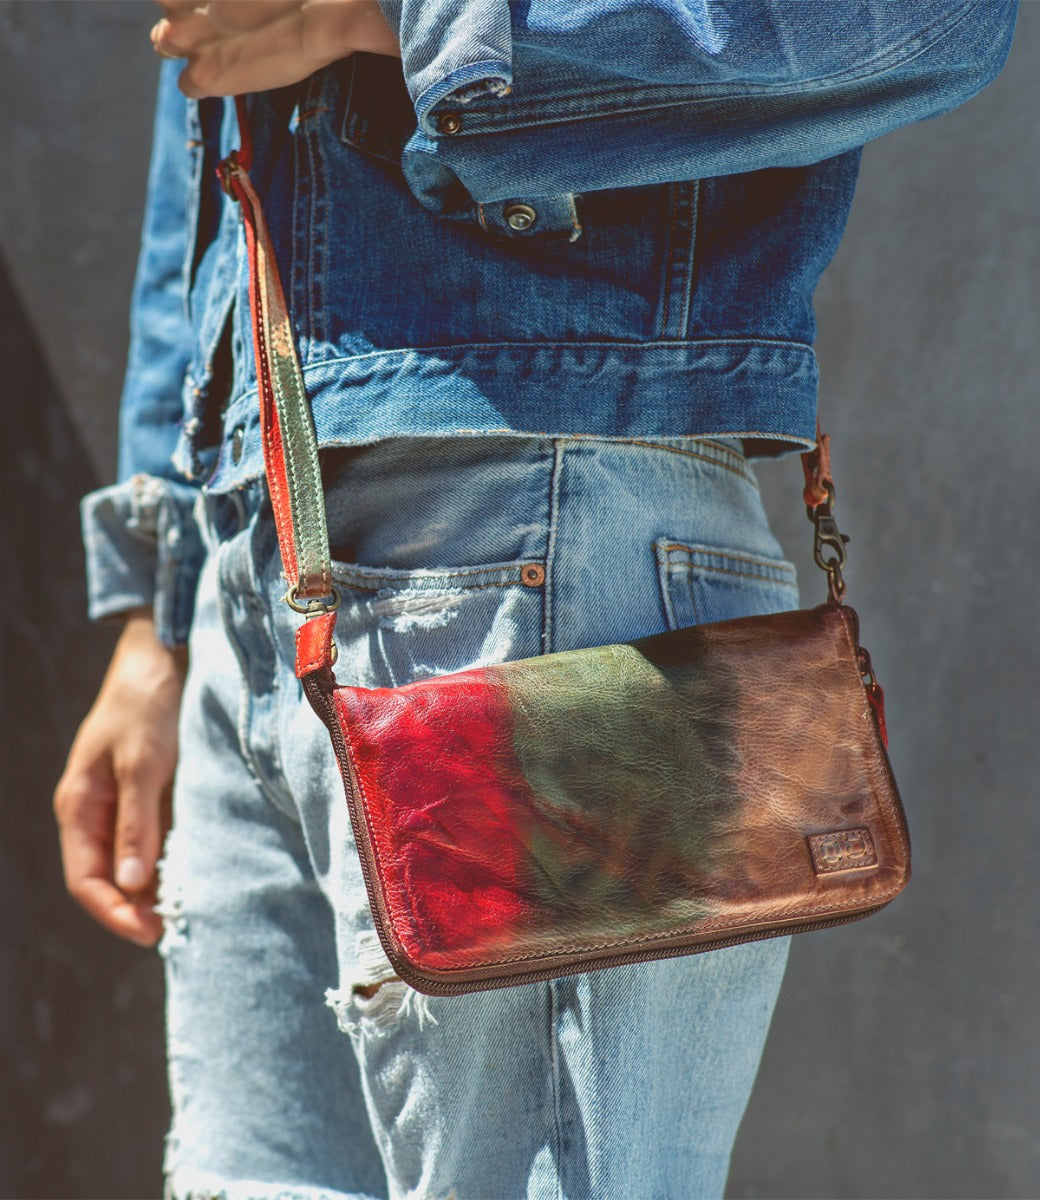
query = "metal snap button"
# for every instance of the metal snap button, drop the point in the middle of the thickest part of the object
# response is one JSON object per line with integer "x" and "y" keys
{"x": 449, "y": 123}
{"x": 237, "y": 437}
{"x": 519, "y": 216}
{"x": 532, "y": 575}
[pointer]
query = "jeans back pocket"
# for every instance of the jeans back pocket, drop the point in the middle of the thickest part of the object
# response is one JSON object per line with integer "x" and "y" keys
{"x": 702, "y": 584}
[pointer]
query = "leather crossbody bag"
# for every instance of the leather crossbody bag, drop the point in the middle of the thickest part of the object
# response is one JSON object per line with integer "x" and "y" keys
{"x": 688, "y": 791}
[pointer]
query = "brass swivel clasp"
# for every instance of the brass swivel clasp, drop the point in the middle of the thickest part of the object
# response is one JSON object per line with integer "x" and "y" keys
{"x": 227, "y": 169}
{"x": 312, "y": 607}
{"x": 318, "y": 607}
{"x": 829, "y": 544}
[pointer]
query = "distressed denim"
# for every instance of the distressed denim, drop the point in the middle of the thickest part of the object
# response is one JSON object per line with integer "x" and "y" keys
{"x": 299, "y": 1066}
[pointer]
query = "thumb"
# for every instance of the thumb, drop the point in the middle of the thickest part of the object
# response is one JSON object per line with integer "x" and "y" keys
{"x": 138, "y": 829}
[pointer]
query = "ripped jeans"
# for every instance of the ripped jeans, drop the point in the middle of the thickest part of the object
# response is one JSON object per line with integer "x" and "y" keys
{"x": 299, "y": 1066}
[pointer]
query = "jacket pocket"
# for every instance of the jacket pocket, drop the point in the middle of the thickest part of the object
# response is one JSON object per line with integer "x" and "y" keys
{"x": 378, "y": 117}
{"x": 701, "y": 584}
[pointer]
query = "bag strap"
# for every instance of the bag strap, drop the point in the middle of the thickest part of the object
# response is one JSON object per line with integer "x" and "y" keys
{"x": 290, "y": 444}
{"x": 286, "y": 425}
{"x": 829, "y": 543}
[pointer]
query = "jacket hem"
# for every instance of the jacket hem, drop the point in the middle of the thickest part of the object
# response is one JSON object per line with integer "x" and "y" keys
{"x": 763, "y": 390}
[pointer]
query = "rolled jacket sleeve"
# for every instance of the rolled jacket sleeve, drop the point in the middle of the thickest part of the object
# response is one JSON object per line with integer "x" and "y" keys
{"x": 539, "y": 98}
{"x": 143, "y": 548}
{"x": 142, "y": 543}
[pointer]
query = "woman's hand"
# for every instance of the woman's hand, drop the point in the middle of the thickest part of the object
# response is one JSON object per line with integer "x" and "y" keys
{"x": 112, "y": 800}
{"x": 237, "y": 46}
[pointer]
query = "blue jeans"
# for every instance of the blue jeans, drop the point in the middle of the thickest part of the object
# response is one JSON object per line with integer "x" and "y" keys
{"x": 299, "y": 1066}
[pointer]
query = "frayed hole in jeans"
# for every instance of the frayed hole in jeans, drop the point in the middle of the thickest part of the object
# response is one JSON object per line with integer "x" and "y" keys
{"x": 170, "y": 902}
{"x": 376, "y": 999}
{"x": 403, "y": 613}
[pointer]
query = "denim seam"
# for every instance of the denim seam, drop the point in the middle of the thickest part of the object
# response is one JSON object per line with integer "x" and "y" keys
{"x": 701, "y": 552}
{"x": 665, "y": 296}
{"x": 615, "y": 344}
{"x": 318, "y": 244}
{"x": 300, "y": 313}
{"x": 244, "y": 722}
{"x": 245, "y": 697}
{"x": 687, "y": 581}
{"x": 548, "y": 591}
{"x": 362, "y": 147}
{"x": 315, "y": 111}
{"x": 448, "y": 574}
{"x": 689, "y": 570}
{"x": 431, "y": 592}
{"x": 677, "y": 275}
{"x": 691, "y": 257}
{"x": 732, "y": 467}
{"x": 554, "y": 1064}
{"x": 195, "y": 148}
{"x": 346, "y": 571}
{"x": 664, "y": 586}
{"x": 318, "y": 357}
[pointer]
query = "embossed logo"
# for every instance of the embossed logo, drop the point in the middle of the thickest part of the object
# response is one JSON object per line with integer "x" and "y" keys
{"x": 842, "y": 850}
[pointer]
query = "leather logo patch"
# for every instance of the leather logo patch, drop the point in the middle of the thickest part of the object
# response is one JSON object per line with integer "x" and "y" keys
{"x": 843, "y": 850}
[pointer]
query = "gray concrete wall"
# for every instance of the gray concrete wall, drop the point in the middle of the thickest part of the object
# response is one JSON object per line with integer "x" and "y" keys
{"x": 902, "y": 1062}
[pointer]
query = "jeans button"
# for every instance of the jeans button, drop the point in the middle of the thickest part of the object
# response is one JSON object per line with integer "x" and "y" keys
{"x": 236, "y": 444}
{"x": 519, "y": 216}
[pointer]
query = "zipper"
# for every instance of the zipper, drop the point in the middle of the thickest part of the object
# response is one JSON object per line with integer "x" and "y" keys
{"x": 432, "y": 987}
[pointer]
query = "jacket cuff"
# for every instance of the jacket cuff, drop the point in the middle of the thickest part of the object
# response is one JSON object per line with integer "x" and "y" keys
{"x": 452, "y": 51}
{"x": 143, "y": 548}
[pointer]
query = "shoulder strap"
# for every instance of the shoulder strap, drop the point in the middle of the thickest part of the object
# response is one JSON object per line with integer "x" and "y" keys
{"x": 286, "y": 425}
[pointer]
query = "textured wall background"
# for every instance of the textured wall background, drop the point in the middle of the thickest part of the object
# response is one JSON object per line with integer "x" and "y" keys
{"x": 903, "y": 1061}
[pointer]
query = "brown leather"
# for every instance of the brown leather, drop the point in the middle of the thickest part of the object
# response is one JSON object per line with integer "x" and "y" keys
{"x": 816, "y": 466}
{"x": 711, "y": 785}
{"x": 314, "y": 645}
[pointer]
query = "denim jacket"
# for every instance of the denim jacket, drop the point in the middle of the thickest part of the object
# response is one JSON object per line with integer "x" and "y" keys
{"x": 509, "y": 236}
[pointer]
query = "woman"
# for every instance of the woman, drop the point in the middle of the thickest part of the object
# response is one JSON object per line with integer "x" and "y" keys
{"x": 544, "y": 308}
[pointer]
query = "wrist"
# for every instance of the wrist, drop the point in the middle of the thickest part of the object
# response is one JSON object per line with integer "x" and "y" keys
{"x": 141, "y": 635}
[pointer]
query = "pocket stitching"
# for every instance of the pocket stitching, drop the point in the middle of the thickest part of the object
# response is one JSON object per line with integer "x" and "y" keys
{"x": 785, "y": 571}
{"x": 407, "y": 582}
{"x": 674, "y": 572}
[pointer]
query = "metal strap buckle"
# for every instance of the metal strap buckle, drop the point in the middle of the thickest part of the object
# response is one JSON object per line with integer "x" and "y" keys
{"x": 829, "y": 544}
{"x": 314, "y": 607}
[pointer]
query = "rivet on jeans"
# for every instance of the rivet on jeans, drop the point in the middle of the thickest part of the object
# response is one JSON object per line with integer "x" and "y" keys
{"x": 520, "y": 217}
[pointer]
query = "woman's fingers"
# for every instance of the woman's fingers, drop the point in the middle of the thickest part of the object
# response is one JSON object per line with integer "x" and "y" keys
{"x": 269, "y": 56}
{"x": 138, "y": 835}
{"x": 234, "y": 46}
{"x": 85, "y": 810}
{"x": 111, "y": 803}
